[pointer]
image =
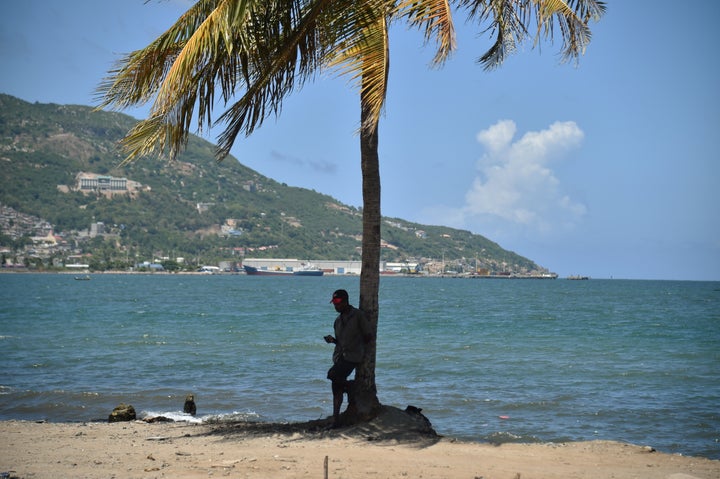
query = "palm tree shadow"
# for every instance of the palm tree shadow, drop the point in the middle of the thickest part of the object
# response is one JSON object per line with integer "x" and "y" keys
{"x": 392, "y": 426}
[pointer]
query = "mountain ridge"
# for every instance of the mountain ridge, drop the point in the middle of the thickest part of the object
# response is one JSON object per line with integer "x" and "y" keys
{"x": 193, "y": 207}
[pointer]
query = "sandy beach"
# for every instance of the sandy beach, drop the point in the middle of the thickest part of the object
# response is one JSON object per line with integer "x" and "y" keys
{"x": 381, "y": 449}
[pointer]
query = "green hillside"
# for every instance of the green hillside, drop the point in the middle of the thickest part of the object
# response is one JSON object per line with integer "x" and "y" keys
{"x": 193, "y": 207}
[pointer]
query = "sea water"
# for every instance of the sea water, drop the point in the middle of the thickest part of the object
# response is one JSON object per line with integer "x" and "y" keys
{"x": 487, "y": 360}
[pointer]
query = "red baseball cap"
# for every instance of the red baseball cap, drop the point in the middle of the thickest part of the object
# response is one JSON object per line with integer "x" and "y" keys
{"x": 339, "y": 296}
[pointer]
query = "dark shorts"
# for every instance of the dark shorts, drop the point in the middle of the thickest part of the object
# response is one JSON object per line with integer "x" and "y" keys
{"x": 341, "y": 370}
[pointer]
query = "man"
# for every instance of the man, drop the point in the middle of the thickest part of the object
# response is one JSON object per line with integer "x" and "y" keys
{"x": 352, "y": 333}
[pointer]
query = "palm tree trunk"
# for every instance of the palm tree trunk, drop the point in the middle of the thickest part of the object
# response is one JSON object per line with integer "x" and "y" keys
{"x": 363, "y": 401}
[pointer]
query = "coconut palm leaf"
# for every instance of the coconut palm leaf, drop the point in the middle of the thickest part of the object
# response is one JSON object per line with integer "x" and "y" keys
{"x": 435, "y": 17}
{"x": 509, "y": 20}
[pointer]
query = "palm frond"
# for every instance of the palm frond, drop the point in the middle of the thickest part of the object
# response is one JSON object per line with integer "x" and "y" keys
{"x": 262, "y": 50}
{"x": 137, "y": 76}
{"x": 374, "y": 73}
{"x": 572, "y": 17}
{"x": 284, "y": 52}
{"x": 508, "y": 21}
{"x": 179, "y": 69}
{"x": 435, "y": 16}
{"x": 362, "y": 54}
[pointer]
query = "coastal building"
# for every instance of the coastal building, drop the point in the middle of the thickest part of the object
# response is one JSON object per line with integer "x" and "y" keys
{"x": 404, "y": 267}
{"x": 290, "y": 264}
{"x": 95, "y": 182}
{"x": 203, "y": 207}
{"x": 97, "y": 229}
{"x": 105, "y": 184}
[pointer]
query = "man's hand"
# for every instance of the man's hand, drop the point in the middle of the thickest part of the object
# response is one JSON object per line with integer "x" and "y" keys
{"x": 329, "y": 339}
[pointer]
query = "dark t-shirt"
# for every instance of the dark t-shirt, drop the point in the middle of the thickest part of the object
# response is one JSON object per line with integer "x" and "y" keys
{"x": 351, "y": 328}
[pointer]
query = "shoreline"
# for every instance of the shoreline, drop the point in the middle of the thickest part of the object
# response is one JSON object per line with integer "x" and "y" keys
{"x": 377, "y": 450}
{"x": 330, "y": 275}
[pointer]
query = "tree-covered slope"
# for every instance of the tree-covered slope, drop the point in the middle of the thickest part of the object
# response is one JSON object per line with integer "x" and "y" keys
{"x": 193, "y": 206}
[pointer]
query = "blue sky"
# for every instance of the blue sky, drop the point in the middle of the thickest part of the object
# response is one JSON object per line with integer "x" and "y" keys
{"x": 608, "y": 169}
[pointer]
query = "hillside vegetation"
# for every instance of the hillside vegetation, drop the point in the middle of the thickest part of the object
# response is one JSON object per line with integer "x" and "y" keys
{"x": 193, "y": 207}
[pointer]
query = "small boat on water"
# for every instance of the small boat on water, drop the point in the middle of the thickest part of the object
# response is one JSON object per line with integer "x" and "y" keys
{"x": 578, "y": 278}
{"x": 82, "y": 278}
{"x": 304, "y": 271}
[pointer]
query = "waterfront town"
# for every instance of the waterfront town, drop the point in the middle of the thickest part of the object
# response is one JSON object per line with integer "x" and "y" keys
{"x": 30, "y": 243}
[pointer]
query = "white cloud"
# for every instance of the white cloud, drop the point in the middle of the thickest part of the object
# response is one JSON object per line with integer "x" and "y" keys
{"x": 515, "y": 183}
{"x": 497, "y": 136}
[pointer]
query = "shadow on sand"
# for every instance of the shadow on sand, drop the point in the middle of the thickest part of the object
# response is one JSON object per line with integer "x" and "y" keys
{"x": 408, "y": 427}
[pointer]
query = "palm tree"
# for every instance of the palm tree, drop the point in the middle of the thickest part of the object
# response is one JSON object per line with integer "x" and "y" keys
{"x": 248, "y": 55}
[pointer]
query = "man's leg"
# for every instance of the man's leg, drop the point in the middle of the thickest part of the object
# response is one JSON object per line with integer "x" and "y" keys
{"x": 338, "y": 374}
{"x": 338, "y": 388}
